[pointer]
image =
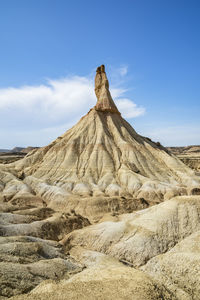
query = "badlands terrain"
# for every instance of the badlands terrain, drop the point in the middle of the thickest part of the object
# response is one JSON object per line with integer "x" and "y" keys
{"x": 100, "y": 213}
{"x": 190, "y": 155}
{"x": 8, "y": 156}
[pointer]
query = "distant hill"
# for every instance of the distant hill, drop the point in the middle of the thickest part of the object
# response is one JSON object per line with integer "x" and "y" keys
{"x": 8, "y": 156}
{"x": 28, "y": 149}
{"x": 4, "y": 150}
{"x": 190, "y": 155}
{"x": 19, "y": 149}
{"x": 184, "y": 150}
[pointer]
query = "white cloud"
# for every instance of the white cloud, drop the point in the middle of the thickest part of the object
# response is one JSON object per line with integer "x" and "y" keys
{"x": 176, "y": 135}
{"x": 123, "y": 70}
{"x": 44, "y": 105}
{"x": 129, "y": 109}
{"x": 30, "y": 110}
{"x": 119, "y": 75}
{"x": 32, "y": 137}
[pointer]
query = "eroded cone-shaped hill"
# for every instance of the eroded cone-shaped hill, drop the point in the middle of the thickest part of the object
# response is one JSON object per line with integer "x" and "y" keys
{"x": 103, "y": 156}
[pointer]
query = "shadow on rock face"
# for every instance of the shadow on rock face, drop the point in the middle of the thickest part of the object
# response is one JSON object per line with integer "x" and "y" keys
{"x": 40, "y": 222}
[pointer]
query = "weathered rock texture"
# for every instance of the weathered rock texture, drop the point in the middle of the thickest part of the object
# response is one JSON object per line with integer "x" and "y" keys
{"x": 189, "y": 155}
{"x": 29, "y": 251}
{"x": 26, "y": 261}
{"x": 100, "y": 170}
{"x": 108, "y": 280}
{"x": 163, "y": 241}
{"x": 179, "y": 269}
{"x": 9, "y": 157}
{"x": 101, "y": 156}
{"x": 135, "y": 238}
{"x": 105, "y": 102}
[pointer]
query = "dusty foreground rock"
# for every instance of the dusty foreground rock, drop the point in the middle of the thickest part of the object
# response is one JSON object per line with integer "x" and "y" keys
{"x": 100, "y": 213}
{"x": 108, "y": 280}
{"x": 27, "y": 261}
{"x": 135, "y": 238}
{"x": 150, "y": 254}
{"x": 179, "y": 269}
{"x": 29, "y": 251}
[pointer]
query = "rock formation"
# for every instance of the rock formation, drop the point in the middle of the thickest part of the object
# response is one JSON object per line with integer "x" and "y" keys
{"x": 100, "y": 171}
{"x": 147, "y": 255}
{"x": 27, "y": 261}
{"x": 105, "y": 102}
{"x": 190, "y": 155}
{"x": 101, "y": 156}
{"x": 107, "y": 279}
{"x": 135, "y": 238}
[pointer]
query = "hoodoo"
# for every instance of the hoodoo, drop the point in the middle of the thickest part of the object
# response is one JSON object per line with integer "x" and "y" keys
{"x": 68, "y": 214}
{"x": 104, "y": 100}
{"x": 101, "y": 159}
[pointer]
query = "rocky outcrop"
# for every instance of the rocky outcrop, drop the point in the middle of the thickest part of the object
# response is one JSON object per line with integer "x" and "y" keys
{"x": 189, "y": 155}
{"x": 106, "y": 280}
{"x": 102, "y": 156}
{"x": 179, "y": 269}
{"x": 105, "y": 102}
{"x": 26, "y": 261}
{"x": 135, "y": 238}
{"x": 101, "y": 171}
{"x": 29, "y": 251}
{"x": 40, "y": 222}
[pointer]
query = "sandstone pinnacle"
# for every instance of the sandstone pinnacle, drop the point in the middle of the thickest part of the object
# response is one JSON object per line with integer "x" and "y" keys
{"x": 100, "y": 172}
{"x": 105, "y": 102}
{"x": 100, "y": 157}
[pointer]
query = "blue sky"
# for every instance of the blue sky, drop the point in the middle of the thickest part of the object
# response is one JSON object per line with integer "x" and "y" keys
{"x": 49, "y": 50}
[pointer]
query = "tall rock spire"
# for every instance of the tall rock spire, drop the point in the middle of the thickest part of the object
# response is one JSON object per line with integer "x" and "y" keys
{"x": 105, "y": 102}
{"x": 101, "y": 156}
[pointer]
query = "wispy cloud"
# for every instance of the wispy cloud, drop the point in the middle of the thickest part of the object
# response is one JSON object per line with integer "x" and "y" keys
{"x": 119, "y": 75}
{"x": 129, "y": 109}
{"x": 175, "y": 135}
{"x": 123, "y": 70}
{"x": 56, "y": 104}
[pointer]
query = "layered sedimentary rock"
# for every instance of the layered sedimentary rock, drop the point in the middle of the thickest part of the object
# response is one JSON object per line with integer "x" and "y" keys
{"x": 190, "y": 155}
{"x": 100, "y": 171}
{"x": 106, "y": 280}
{"x": 151, "y": 254}
{"x": 179, "y": 269}
{"x": 104, "y": 100}
{"x": 137, "y": 237}
{"x": 163, "y": 241}
{"x": 101, "y": 156}
{"x": 27, "y": 261}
